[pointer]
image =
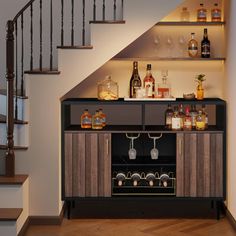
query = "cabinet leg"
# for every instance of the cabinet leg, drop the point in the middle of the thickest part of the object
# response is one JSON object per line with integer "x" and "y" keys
{"x": 73, "y": 204}
{"x": 218, "y": 209}
{"x": 68, "y": 204}
{"x": 212, "y": 204}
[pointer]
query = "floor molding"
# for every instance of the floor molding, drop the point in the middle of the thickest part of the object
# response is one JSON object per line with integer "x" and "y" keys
{"x": 24, "y": 228}
{"x": 231, "y": 219}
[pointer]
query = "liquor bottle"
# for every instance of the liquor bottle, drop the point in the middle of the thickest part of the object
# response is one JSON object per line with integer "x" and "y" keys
{"x": 149, "y": 82}
{"x": 193, "y": 114}
{"x": 96, "y": 121}
{"x": 181, "y": 116}
{"x": 205, "y": 115}
{"x": 216, "y": 13}
{"x": 164, "y": 87}
{"x": 168, "y": 117}
{"x": 187, "y": 120}
{"x": 86, "y": 120}
{"x": 175, "y": 121}
{"x": 201, "y": 13}
{"x": 150, "y": 177}
{"x": 200, "y": 122}
{"x": 164, "y": 179}
{"x": 193, "y": 46}
{"x": 120, "y": 177}
{"x": 184, "y": 15}
{"x": 135, "y": 81}
{"x": 102, "y": 117}
{"x": 135, "y": 178}
{"x": 205, "y": 45}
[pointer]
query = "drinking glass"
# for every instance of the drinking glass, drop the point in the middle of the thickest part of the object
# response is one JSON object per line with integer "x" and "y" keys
{"x": 182, "y": 45}
{"x": 169, "y": 45}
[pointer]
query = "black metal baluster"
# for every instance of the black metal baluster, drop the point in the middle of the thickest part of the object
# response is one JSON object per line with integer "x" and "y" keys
{"x": 72, "y": 22}
{"x": 16, "y": 78}
{"x": 51, "y": 36}
{"x": 94, "y": 10}
{"x": 41, "y": 38}
{"x": 22, "y": 55}
{"x": 103, "y": 10}
{"x": 31, "y": 36}
{"x": 62, "y": 22}
{"x": 114, "y": 13}
{"x": 83, "y": 30}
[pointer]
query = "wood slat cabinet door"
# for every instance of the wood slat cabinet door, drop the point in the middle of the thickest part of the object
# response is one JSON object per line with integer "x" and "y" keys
{"x": 87, "y": 165}
{"x": 199, "y": 165}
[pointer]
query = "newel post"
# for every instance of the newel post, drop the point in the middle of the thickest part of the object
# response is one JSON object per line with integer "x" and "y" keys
{"x": 10, "y": 156}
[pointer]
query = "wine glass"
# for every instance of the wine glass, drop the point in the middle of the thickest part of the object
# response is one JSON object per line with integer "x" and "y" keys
{"x": 183, "y": 45}
{"x": 169, "y": 45}
{"x": 157, "y": 43}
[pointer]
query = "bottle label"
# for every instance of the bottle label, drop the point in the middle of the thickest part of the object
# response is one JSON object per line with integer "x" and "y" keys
{"x": 176, "y": 123}
{"x": 193, "y": 120}
{"x": 201, "y": 15}
{"x": 148, "y": 89}
{"x": 193, "y": 51}
{"x": 200, "y": 125}
{"x": 206, "y": 49}
{"x": 168, "y": 120}
{"x": 86, "y": 121}
{"x": 187, "y": 123}
{"x": 216, "y": 14}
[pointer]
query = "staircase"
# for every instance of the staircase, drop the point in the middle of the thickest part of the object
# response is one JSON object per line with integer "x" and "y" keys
{"x": 37, "y": 129}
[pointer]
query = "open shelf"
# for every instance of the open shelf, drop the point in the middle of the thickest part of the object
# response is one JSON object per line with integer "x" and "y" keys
{"x": 167, "y": 59}
{"x": 190, "y": 23}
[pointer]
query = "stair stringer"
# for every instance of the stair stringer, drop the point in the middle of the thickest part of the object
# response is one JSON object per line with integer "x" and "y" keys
{"x": 42, "y": 161}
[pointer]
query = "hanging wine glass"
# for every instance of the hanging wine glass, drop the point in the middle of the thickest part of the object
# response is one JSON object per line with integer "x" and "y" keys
{"x": 182, "y": 45}
{"x": 157, "y": 44}
{"x": 154, "y": 151}
{"x": 132, "y": 151}
{"x": 169, "y": 45}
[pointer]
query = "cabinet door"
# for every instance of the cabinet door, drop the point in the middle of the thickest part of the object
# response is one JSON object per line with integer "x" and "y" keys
{"x": 87, "y": 165}
{"x": 199, "y": 165}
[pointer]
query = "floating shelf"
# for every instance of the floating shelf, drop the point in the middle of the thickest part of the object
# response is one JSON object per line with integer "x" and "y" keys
{"x": 167, "y": 59}
{"x": 190, "y": 23}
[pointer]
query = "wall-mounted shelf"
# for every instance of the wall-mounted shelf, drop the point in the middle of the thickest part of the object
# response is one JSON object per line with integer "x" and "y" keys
{"x": 190, "y": 23}
{"x": 168, "y": 59}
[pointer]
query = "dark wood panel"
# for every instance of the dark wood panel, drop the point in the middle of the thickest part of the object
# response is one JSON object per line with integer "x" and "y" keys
{"x": 193, "y": 164}
{"x": 219, "y": 165}
{"x": 68, "y": 165}
{"x": 180, "y": 165}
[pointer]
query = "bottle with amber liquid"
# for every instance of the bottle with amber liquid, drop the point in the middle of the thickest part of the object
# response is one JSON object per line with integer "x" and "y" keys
{"x": 135, "y": 81}
{"x": 86, "y": 120}
{"x": 200, "y": 121}
{"x": 149, "y": 82}
{"x": 202, "y": 13}
{"x": 102, "y": 117}
{"x": 168, "y": 117}
{"x": 205, "y": 115}
{"x": 181, "y": 116}
{"x": 175, "y": 121}
{"x": 205, "y": 45}
{"x": 96, "y": 121}
{"x": 193, "y": 46}
{"x": 187, "y": 120}
{"x": 216, "y": 13}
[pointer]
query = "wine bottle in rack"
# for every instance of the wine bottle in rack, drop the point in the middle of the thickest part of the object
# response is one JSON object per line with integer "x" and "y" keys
{"x": 135, "y": 177}
{"x": 150, "y": 177}
{"x": 120, "y": 177}
{"x": 164, "y": 179}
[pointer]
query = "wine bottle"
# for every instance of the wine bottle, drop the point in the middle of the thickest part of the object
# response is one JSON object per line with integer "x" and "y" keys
{"x": 205, "y": 45}
{"x": 120, "y": 177}
{"x": 149, "y": 82}
{"x": 192, "y": 46}
{"x": 136, "y": 178}
{"x": 150, "y": 177}
{"x": 135, "y": 81}
{"x": 164, "y": 179}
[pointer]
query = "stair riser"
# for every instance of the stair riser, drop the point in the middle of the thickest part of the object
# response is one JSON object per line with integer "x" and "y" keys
{"x": 11, "y": 196}
{"x": 20, "y": 135}
{"x": 22, "y": 115}
{"x": 8, "y": 228}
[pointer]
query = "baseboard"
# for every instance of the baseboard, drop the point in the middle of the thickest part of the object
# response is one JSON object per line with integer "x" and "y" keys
{"x": 231, "y": 219}
{"x": 47, "y": 220}
{"x": 24, "y": 228}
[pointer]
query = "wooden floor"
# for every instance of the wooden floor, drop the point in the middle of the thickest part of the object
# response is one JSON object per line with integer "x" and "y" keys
{"x": 136, "y": 227}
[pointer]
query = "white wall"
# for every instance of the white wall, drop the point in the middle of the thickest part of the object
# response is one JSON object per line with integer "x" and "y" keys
{"x": 231, "y": 106}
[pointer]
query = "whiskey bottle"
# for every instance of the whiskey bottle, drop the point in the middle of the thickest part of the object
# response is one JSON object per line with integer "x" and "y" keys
{"x": 216, "y": 13}
{"x": 193, "y": 114}
{"x": 86, "y": 120}
{"x": 187, "y": 120}
{"x": 202, "y": 13}
{"x": 181, "y": 116}
{"x": 168, "y": 117}
{"x": 149, "y": 82}
{"x": 205, "y": 45}
{"x": 184, "y": 15}
{"x": 192, "y": 46}
{"x": 205, "y": 115}
{"x": 102, "y": 117}
{"x": 96, "y": 121}
{"x": 175, "y": 121}
{"x": 164, "y": 87}
{"x": 135, "y": 81}
{"x": 200, "y": 122}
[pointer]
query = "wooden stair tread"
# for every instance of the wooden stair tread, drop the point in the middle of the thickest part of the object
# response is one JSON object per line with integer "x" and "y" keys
{"x": 44, "y": 71}
{"x": 107, "y": 22}
{"x": 4, "y": 92}
{"x": 15, "y": 180}
{"x": 10, "y": 214}
{"x": 18, "y": 122}
{"x": 76, "y": 47}
{"x": 4, "y": 147}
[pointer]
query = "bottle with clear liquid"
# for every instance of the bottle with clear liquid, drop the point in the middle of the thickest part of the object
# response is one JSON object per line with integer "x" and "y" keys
{"x": 96, "y": 121}
{"x": 205, "y": 45}
{"x": 164, "y": 87}
{"x": 193, "y": 46}
{"x": 185, "y": 15}
{"x": 135, "y": 81}
{"x": 149, "y": 82}
{"x": 168, "y": 117}
{"x": 86, "y": 120}
{"x": 202, "y": 13}
{"x": 216, "y": 13}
